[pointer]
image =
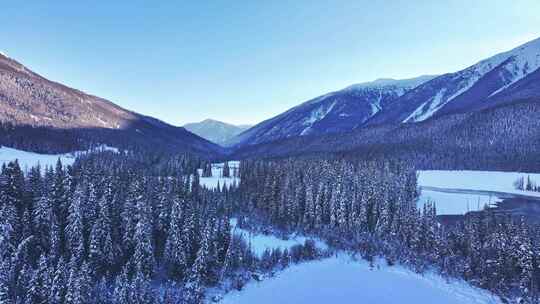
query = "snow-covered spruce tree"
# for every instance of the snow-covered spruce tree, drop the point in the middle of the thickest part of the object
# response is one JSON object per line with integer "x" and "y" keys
{"x": 40, "y": 283}
{"x": 74, "y": 230}
{"x": 60, "y": 277}
{"x": 226, "y": 170}
{"x": 163, "y": 216}
{"x": 6, "y": 296}
{"x": 175, "y": 253}
{"x": 122, "y": 289}
{"x": 12, "y": 195}
{"x": 43, "y": 220}
{"x": 129, "y": 210}
{"x": 141, "y": 290}
{"x": 207, "y": 170}
{"x": 102, "y": 252}
{"x": 194, "y": 288}
{"x": 143, "y": 256}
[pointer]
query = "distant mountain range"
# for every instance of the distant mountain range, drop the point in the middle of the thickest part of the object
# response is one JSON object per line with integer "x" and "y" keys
{"x": 216, "y": 131}
{"x": 370, "y": 117}
{"x": 44, "y": 115}
{"x": 497, "y": 80}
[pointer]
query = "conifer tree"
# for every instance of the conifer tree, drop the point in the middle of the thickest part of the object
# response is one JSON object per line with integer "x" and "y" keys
{"x": 75, "y": 228}
{"x": 226, "y": 170}
{"x": 59, "y": 282}
{"x": 175, "y": 253}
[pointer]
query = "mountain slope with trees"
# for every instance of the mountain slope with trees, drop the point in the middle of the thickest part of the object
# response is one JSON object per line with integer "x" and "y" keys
{"x": 44, "y": 116}
{"x": 506, "y": 137}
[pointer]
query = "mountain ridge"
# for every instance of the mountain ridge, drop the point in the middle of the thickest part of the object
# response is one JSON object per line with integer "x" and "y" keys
{"x": 41, "y": 106}
{"x": 470, "y": 89}
{"x": 497, "y": 79}
{"x": 333, "y": 112}
{"x": 216, "y": 131}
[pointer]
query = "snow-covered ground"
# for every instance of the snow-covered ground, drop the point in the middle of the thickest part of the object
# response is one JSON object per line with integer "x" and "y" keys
{"x": 456, "y": 203}
{"x": 29, "y": 159}
{"x": 217, "y": 172}
{"x": 340, "y": 279}
{"x": 457, "y": 192}
{"x": 260, "y": 242}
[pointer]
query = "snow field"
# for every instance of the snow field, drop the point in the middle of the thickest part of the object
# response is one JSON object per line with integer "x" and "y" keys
{"x": 493, "y": 184}
{"x": 30, "y": 159}
{"x": 475, "y": 180}
{"x": 340, "y": 279}
{"x": 217, "y": 169}
{"x": 456, "y": 203}
{"x": 260, "y": 242}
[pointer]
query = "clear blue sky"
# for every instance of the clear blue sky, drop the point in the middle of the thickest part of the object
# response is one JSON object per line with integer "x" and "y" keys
{"x": 245, "y": 61}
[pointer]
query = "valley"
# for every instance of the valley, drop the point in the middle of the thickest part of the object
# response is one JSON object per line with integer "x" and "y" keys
{"x": 420, "y": 186}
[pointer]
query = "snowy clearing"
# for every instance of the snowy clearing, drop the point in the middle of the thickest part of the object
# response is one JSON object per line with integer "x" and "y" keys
{"x": 457, "y": 192}
{"x": 456, "y": 203}
{"x": 217, "y": 172}
{"x": 30, "y": 159}
{"x": 491, "y": 181}
{"x": 260, "y": 242}
{"x": 343, "y": 280}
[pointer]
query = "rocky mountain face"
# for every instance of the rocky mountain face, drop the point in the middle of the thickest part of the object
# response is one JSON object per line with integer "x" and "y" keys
{"x": 215, "y": 131}
{"x": 48, "y": 109}
{"x": 335, "y": 112}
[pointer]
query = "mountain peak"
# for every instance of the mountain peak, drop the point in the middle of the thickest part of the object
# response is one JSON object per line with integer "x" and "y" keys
{"x": 214, "y": 130}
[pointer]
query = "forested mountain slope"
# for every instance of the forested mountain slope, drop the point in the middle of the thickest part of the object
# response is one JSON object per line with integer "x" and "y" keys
{"x": 503, "y": 78}
{"x": 42, "y": 115}
{"x": 503, "y": 137}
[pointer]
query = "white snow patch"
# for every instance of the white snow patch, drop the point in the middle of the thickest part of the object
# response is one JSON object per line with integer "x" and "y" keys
{"x": 494, "y": 181}
{"x": 448, "y": 203}
{"x": 319, "y": 113}
{"x": 261, "y": 242}
{"x": 524, "y": 60}
{"x": 433, "y": 105}
{"x": 376, "y": 106}
{"x": 340, "y": 279}
{"x": 30, "y": 159}
{"x": 217, "y": 175}
{"x": 316, "y": 115}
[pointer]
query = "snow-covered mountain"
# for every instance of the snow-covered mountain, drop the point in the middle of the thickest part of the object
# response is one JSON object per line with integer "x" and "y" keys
{"x": 215, "y": 131}
{"x": 334, "y": 112}
{"x": 484, "y": 84}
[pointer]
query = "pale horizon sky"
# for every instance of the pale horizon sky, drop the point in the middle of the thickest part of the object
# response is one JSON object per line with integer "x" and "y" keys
{"x": 243, "y": 62}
